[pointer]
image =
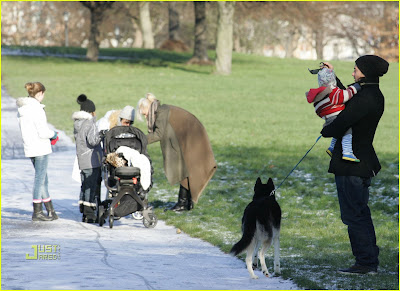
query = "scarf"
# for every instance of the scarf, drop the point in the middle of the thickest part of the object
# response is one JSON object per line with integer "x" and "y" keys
{"x": 151, "y": 118}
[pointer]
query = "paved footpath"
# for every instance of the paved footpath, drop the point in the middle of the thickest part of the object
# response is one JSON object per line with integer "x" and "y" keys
{"x": 87, "y": 256}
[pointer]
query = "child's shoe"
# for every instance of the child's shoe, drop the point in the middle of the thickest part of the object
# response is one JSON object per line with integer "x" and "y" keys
{"x": 329, "y": 151}
{"x": 350, "y": 157}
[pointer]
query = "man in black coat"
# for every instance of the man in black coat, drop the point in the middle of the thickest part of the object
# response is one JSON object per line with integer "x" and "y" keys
{"x": 362, "y": 114}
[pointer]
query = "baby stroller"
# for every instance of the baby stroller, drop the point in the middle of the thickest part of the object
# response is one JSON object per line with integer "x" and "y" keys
{"x": 125, "y": 192}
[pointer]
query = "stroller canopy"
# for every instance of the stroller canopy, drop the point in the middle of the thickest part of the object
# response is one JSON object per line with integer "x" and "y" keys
{"x": 128, "y": 136}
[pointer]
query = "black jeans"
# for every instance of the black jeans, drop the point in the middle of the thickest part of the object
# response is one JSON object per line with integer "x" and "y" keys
{"x": 90, "y": 188}
{"x": 353, "y": 199}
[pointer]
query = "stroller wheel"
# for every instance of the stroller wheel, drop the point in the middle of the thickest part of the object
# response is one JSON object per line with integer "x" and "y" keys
{"x": 153, "y": 221}
{"x": 111, "y": 221}
{"x": 137, "y": 215}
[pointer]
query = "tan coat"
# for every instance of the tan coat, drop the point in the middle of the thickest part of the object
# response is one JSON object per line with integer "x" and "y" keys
{"x": 185, "y": 147}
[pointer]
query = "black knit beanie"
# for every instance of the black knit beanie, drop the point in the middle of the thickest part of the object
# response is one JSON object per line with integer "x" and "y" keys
{"x": 86, "y": 104}
{"x": 372, "y": 66}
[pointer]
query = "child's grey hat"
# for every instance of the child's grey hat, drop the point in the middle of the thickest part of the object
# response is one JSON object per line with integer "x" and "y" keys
{"x": 326, "y": 77}
{"x": 128, "y": 113}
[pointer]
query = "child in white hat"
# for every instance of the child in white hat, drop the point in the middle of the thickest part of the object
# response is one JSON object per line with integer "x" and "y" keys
{"x": 329, "y": 101}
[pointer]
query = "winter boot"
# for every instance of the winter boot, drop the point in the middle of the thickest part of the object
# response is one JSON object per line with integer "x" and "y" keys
{"x": 190, "y": 202}
{"x": 184, "y": 200}
{"x": 38, "y": 214}
{"x": 50, "y": 210}
{"x": 89, "y": 214}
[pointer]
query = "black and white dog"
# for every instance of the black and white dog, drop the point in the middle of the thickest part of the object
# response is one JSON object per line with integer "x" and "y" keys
{"x": 260, "y": 226}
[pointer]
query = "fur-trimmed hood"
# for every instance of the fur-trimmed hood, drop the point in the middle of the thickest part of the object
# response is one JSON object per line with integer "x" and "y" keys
{"x": 88, "y": 149}
{"x": 81, "y": 115}
{"x": 22, "y": 101}
{"x": 25, "y": 105}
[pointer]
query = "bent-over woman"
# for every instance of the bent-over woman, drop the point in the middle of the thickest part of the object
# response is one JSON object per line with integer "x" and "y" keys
{"x": 187, "y": 153}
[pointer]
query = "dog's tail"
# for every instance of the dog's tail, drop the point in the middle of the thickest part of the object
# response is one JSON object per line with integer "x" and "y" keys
{"x": 248, "y": 235}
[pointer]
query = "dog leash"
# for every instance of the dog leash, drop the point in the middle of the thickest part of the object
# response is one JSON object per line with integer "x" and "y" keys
{"x": 273, "y": 192}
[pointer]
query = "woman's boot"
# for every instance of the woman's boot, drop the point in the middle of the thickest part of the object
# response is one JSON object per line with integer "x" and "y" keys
{"x": 38, "y": 214}
{"x": 50, "y": 210}
{"x": 190, "y": 202}
{"x": 184, "y": 200}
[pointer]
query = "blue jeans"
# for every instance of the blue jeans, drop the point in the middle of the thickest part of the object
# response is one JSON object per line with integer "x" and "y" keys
{"x": 40, "y": 189}
{"x": 353, "y": 197}
{"x": 90, "y": 187}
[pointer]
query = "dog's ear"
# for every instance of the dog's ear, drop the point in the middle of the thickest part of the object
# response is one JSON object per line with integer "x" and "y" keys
{"x": 258, "y": 183}
{"x": 270, "y": 184}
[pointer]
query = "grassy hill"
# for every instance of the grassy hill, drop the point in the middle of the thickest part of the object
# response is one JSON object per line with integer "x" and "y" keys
{"x": 259, "y": 124}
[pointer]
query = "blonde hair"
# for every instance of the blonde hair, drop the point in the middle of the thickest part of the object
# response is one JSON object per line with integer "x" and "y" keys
{"x": 144, "y": 103}
{"x": 114, "y": 118}
{"x": 34, "y": 88}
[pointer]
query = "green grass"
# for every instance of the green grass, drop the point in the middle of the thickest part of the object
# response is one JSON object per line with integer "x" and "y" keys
{"x": 259, "y": 124}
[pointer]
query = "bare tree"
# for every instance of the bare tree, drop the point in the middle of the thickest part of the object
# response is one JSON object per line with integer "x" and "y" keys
{"x": 97, "y": 10}
{"x": 138, "y": 39}
{"x": 145, "y": 24}
{"x": 316, "y": 17}
{"x": 383, "y": 31}
{"x": 224, "y": 47}
{"x": 174, "y": 42}
{"x": 38, "y": 23}
{"x": 145, "y": 21}
{"x": 200, "y": 55}
{"x": 173, "y": 21}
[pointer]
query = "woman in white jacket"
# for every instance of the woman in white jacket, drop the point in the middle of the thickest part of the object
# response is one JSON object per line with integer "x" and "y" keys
{"x": 37, "y": 136}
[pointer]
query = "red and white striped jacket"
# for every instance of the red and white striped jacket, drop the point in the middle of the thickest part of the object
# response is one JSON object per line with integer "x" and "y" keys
{"x": 329, "y": 101}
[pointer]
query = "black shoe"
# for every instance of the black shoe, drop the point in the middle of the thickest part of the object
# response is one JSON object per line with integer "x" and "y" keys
{"x": 359, "y": 270}
{"x": 88, "y": 219}
{"x": 91, "y": 220}
{"x": 184, "y": 201}
{"x": 178, "y": 207}
{"x": 190, "y": 205}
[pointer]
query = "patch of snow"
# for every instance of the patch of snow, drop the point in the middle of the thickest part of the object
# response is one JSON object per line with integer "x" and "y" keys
{"x": 87, "y": 256}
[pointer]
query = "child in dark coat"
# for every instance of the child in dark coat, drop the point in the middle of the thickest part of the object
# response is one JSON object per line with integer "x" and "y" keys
{"x": 89, "y": 153}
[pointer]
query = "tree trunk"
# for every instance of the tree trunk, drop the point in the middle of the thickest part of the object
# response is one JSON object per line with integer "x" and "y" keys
{"x": 145, "y": 24}
{"x": 223, "y": 62}
{"x": 92, "y": 53}
{"x": 173, "y": 21}
{"x": 319, "y": 43}
{"x": 97, "y": 10}
{"x": 291, "y": 42}
{"x": 138, "y": 41}
{"x": 200, "y": 55}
